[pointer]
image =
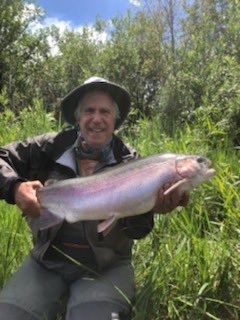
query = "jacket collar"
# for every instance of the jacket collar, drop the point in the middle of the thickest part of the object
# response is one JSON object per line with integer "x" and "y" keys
{"x": 66, "y": 138}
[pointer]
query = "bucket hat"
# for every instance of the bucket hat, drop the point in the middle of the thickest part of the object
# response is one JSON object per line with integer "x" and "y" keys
{"x": 118, "y": 93}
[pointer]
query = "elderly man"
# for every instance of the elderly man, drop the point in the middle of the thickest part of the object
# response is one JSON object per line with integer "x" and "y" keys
{"x": 103, "y": 285}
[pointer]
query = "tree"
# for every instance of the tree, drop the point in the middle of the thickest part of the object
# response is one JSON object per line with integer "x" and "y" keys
{"x": 134, "y": 57}
{"x": 19, "y": 49}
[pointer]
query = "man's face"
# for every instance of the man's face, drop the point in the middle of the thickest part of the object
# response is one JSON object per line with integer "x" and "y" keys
{"x": 97, "y": 118}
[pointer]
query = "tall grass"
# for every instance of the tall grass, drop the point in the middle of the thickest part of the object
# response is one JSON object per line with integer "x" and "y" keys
{"x": 189, "y": 266}
{"x": 15, "y": 237}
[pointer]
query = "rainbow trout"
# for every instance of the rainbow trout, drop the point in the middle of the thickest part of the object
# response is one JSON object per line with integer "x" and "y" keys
{"x": 125, "y": 190}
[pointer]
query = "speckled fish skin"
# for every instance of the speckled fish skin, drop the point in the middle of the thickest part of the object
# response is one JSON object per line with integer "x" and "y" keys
{"x": 125, "y": 190}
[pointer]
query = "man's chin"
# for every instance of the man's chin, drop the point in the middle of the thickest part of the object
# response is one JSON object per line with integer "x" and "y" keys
{"x": 96, "y": 143}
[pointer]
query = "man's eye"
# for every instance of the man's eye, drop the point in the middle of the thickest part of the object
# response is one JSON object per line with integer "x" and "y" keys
{"x": 88, "y": 110}
{"x": 105, "y": 111}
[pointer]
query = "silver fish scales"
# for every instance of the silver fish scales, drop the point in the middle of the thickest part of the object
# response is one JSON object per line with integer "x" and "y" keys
{"x": 125, "y": 190}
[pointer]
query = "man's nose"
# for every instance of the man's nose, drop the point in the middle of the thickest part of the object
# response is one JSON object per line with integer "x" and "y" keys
{"x": 97, "y": 117}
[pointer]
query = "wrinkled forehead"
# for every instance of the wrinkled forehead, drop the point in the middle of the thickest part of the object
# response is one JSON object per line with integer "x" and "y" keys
{"x": 96, "y": 95}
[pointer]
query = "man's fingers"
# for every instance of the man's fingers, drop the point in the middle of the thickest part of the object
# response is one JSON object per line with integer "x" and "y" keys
{"x": 167, "y": 203}
{"x": 36, "y": 184}
{"x": 184, "y": 200}
{"x": 26, "y": 199}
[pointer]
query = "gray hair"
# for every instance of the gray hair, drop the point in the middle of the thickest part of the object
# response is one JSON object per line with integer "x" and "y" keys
{"x": 79, "y": 107}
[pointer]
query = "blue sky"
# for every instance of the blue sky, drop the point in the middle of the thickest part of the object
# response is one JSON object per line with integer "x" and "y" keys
{"x": 80, "y": 12}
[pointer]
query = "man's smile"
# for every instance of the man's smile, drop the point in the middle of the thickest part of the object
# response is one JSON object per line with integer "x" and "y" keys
{"x": 96, "y": 130}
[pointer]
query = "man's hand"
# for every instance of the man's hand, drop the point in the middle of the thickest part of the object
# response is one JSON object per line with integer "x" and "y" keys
{"x": 25, "y": 197}
{"x": 167, "y": 203}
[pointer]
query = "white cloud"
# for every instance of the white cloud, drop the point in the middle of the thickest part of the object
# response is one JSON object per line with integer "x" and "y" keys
{"x": 136, "y": 3}
{"x": 30, "y": 11}
{"x": 54, "y": 49}
{"x": 64, "y": 25}
{"x": 96, "y": 36}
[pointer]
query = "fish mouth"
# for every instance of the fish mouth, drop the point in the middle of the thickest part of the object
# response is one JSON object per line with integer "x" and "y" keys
{"x": 211, "y": 172}
{"x": 209, "y": 162}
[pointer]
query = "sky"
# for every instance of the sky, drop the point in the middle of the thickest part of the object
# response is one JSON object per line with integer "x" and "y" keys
{"x": 81, "y": 12}
{"x": 74, "y": 14}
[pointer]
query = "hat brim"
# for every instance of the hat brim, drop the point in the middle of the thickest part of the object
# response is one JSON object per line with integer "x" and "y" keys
{"x": 119, "y": 95}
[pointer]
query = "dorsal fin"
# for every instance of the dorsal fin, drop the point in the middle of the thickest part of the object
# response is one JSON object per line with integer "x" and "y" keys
{"x": 50, "y": 182}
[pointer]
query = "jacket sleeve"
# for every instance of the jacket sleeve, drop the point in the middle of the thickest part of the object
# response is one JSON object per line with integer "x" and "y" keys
{"x": 18, "y": 162}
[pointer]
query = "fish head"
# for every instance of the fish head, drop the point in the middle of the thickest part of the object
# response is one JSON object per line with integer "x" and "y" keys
{"x": 194, "y": 168}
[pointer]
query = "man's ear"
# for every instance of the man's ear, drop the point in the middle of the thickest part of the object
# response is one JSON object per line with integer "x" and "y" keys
{"x": 77, "y": 127}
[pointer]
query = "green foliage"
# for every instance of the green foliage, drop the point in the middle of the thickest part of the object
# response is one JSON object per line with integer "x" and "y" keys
{"x": 31, "y": 121}
{"x": 183, "y": 70}
{"x": 20, "y": 51}
{"x": 206, "y": 75}
{"x": 189, "y": 267}
{"x": 222, "y": 100}
{"x": 79, "y": 51}
{"x": 15, "y": 238}
{"x": 134, "y": 57}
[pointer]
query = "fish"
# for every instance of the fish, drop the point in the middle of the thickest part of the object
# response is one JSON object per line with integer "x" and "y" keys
{"x": 125, "y": 190}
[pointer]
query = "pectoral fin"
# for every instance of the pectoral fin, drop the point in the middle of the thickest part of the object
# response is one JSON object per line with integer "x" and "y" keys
{"x": 175, "y": 186}
{"x": 106, "y": 226}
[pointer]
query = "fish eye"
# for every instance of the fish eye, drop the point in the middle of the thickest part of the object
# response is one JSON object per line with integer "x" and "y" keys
{"x": 201, "y": 159}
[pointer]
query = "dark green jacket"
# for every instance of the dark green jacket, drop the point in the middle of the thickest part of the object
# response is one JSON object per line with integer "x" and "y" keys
{"x": 35, "y": 159}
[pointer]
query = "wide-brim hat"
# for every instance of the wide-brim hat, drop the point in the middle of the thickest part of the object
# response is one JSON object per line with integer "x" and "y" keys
{"x": 118, "y": 93}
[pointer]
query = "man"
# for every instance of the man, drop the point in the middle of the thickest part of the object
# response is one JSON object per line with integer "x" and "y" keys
{"x": 104, "y": 282}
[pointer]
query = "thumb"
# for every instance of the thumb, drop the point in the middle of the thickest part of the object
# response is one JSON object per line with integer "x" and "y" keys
{"x": 36, "y": 184}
